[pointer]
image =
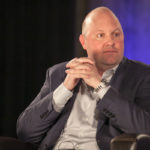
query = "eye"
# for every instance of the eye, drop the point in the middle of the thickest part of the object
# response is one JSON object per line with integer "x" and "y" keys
{"x": 100, "y": 35}
{"x": 116, "y": 34}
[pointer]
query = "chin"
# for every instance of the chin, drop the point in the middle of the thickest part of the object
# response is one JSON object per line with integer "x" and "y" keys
{"x": 110, "y": 63}
{"x": 112, "y": 60}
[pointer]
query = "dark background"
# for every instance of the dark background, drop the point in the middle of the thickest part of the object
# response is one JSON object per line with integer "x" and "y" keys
{"x": 35, "y": 35}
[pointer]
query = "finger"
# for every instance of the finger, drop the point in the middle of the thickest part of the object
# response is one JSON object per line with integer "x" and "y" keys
{"x": 78, "y": 61}
{"x": 86, "y": 67}
{"x": 78, "y": 71}
{"x": 85, "y": 60}
{"x": 71, "y": 61}
{"x": 78, "y": 75}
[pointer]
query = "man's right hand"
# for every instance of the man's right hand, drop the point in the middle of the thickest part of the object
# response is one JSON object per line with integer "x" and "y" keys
{"x": 72, "y": 80}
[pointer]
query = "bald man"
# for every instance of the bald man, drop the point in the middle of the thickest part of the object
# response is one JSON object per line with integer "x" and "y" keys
{"x": 87, "y": 101}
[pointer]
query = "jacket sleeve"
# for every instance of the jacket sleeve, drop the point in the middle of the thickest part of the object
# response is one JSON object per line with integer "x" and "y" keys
{"x": 39, "y": 116}
{"x": 129, "y": 116}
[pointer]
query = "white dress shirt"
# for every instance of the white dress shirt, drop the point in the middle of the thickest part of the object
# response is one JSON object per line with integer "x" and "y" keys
{"x": 81, "y": 126}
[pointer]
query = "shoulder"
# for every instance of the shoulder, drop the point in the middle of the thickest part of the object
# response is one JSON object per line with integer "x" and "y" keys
{"x": 138, "y": 67}
{"x": 59, "y": 66}
{"x": 57, "y": 69}
{"x": 132, "y": 69}
{"x": 134, "y": 66}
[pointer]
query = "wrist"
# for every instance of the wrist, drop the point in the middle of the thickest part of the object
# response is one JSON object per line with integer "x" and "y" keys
{"x": 101, "y": 85}
{"x": 68, "y": 86}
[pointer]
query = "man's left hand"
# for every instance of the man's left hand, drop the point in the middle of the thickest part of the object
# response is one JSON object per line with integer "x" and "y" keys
{"x": 84, "y": 70}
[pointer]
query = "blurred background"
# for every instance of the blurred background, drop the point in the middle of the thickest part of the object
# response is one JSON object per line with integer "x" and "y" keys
{"x": 35, "y": 35}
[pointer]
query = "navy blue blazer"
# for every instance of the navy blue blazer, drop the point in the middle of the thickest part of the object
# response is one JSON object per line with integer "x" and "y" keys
{"x": 125, "y": 108}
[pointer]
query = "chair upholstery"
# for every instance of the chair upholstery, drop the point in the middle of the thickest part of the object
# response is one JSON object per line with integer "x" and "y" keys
{"x": 121, "y": 142}
{"x": 9, "y": 143}
{"x": 131, "y": 142}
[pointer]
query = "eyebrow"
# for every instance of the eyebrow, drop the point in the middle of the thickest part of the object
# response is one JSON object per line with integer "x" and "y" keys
{"x": 113, "y": 30}
{"x": 117, "y": 29}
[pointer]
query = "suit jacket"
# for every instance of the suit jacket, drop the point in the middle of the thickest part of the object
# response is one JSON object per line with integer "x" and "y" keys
{"x": 125, "y": 108}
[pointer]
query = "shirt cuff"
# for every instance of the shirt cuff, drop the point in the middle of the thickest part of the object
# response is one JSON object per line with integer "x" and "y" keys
{"x": 103, "y": 91}
{"x": 61, "y": 95}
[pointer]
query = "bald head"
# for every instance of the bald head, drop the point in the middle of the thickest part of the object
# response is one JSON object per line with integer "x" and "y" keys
{"x": 102, "y": 38}
{"x": 99, "y": 13}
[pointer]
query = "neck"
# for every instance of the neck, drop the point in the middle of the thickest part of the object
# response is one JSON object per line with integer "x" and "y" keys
{"x": 103, "y": 68}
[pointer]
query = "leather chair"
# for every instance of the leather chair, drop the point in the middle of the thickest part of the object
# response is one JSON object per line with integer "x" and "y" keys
{"x": 121, "y": 142}
{"x": 131, "y": 142}
{"x": 9, "y": 143}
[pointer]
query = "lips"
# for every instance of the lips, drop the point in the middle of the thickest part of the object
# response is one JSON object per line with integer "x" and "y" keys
{"x": 110, "y": 51}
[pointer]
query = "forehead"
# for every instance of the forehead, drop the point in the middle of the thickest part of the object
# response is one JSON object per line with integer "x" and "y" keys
{"x": 105, "y": 23}
{"x": 102, "y": 21}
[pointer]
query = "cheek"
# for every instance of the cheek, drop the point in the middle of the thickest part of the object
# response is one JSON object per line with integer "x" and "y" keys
{"x": 95, "y": 46}
{"x": 120, "y": 44}
{"x": 94, "y": 50}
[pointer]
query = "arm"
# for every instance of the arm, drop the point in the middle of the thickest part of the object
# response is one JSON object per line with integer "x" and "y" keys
{"x": 39, "y": 116}
{"x": 130, "y": 116}
{"x": 127, "y": 108}
{"x": 42, "y": 113}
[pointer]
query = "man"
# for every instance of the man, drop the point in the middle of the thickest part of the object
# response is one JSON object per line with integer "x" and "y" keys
{"x": 87, "y": 101}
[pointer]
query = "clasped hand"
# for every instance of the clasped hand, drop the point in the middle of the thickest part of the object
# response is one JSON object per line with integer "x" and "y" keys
{"x": 81, "y": 68}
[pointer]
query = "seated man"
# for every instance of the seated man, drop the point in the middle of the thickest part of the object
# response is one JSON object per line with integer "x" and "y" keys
{"x": 87, "y": 101}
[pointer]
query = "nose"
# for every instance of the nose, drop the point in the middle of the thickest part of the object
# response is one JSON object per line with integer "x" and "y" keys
{"x": 110, "y": 41}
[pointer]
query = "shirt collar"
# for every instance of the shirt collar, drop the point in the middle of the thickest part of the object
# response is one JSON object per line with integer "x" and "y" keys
{"x": 106, "y": 74}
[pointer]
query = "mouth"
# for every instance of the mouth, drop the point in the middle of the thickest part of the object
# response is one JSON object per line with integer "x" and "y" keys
{"x": 110, "y": 51}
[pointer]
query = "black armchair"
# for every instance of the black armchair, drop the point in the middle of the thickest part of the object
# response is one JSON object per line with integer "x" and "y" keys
{"x": 131, "y": 142}
{"x": 121, "y": 142}
{"x": 9, "y": 143}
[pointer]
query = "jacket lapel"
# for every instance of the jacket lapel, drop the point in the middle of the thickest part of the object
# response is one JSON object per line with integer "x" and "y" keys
{"x": 115, "y": 82}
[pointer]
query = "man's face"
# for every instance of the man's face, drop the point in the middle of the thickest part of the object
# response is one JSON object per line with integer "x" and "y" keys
{"x": 104, "y": 40}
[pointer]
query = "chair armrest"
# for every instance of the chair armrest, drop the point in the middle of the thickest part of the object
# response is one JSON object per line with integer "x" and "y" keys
{"x": 10, "y": 143}
{"x": 131, "y": 142}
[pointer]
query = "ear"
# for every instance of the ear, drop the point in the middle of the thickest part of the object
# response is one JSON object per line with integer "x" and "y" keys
{"x": 82, "y": 41}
